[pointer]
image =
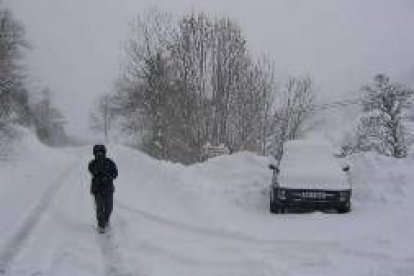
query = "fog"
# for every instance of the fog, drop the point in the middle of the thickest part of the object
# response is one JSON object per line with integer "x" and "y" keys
{"x": 76, "y": 45}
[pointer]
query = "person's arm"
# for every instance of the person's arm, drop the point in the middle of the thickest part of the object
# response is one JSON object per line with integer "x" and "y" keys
{"x": 92, "y": 168}
{"x": 95, "y": 168}
{"x": 114, "y": 170}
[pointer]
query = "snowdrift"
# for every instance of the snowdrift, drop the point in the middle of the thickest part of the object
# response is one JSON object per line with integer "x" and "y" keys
{"x": 25, "y": 176}
{"x": 382, "y": 180}
{"x": 210, "y": 218}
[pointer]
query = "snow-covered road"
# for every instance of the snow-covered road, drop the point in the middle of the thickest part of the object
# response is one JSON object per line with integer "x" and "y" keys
{"x": 206, "y": 219}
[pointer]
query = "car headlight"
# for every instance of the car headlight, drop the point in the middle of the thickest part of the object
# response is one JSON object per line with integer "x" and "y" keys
{"x": 343, "y": 196}
{"x": 281, "y": 194}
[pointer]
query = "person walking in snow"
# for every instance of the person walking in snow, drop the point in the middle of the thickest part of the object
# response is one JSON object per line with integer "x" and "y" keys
{"x": 103, "y": 171}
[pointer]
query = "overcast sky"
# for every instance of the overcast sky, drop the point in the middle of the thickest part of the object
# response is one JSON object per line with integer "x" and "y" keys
{"x": 342, "y": 44}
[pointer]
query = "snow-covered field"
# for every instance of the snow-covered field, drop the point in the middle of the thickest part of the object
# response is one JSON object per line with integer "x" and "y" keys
{"x": 206, "y": 219}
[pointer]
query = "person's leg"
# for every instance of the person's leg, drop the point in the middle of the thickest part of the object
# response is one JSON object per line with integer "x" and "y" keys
{"x": 108, "y": 207}
{"x": 100, "y": 210}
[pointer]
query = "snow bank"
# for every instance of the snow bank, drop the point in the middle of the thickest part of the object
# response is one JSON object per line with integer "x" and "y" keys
{"x": 8, "y": 138}
{"x": 241, "y": 178}
{"x": 25, "y": 176}
{"x": 382, "y": 180}
{"x": 210, "y": 218}
{"x": 239, "y": 183}
{"x": 203, "y": 195}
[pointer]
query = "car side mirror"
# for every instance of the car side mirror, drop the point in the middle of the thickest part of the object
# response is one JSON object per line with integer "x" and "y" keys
{"x": 274, "y": 168}
{"x": 346, "y": 168}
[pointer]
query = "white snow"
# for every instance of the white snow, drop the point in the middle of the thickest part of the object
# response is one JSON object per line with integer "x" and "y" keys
{"x": 206, "y": 219}
{"x": 310, "y": 164}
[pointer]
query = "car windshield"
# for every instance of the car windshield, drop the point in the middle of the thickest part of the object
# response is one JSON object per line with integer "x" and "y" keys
{"x": 308, "y": 164}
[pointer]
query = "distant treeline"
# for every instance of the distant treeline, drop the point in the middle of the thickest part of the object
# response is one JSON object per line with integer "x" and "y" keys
{"x": 18, "y": 105}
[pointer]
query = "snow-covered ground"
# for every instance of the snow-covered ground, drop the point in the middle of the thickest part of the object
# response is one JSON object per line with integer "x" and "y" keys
{"x": 206, "y": 219}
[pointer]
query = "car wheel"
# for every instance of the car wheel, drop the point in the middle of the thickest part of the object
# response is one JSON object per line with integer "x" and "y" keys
{"x": 345, "y": 208}
{"x": 273, "y": 208}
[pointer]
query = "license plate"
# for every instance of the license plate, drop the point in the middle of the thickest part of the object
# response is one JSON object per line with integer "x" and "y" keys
{"x": 314, "y": 195}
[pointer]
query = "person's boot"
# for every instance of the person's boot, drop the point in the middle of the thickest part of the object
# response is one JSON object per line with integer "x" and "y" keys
{"x": 108, "y": 224}
{"x": 101, "y": 228}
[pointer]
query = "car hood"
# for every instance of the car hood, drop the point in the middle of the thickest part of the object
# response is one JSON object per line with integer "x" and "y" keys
{"x": 312, "y": 168}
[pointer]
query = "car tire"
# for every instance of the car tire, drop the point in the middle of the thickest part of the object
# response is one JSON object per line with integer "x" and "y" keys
{"x": 345, "y": 208}
{"x": 273, "y": 208}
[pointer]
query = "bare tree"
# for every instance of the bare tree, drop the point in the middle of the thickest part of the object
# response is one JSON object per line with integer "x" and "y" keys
{"x": 146, "y": 85}
{"x": 13, "y": 95}
{"x": 101, "y": 119}
{"x": 192, "y": 83}
{"x": 381, "y": 127}
{"x": 190, "y": 54}
{"x": 49, "y": 121}
{"x": 296, "y": 103}
{"x": 229, "y": 55}
{"x": 266, "y": 88}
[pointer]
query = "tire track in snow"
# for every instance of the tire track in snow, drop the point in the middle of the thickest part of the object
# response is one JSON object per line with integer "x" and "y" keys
{"x": 218, "y": 233}
{"x": 16, "y": 242}
{"x": 112, "y": 257}
{"x": 295, "y": 245}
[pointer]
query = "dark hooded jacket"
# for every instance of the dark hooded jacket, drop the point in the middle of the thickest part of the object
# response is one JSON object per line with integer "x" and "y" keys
{"x": 103, "y": 172}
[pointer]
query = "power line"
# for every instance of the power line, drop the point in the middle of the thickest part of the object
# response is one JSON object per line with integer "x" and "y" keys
{"x": 348, "y": 102}
{"x": 338, "y": 104}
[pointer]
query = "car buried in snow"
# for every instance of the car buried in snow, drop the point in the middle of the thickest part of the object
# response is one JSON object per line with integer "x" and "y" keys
{"x": 310, "y": 177}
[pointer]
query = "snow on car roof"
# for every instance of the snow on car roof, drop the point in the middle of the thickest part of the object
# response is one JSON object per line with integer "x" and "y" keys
{"x": 310, "y": 164}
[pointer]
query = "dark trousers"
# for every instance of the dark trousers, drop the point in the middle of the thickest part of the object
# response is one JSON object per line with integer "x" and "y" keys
{"x": 104, "y": 204}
